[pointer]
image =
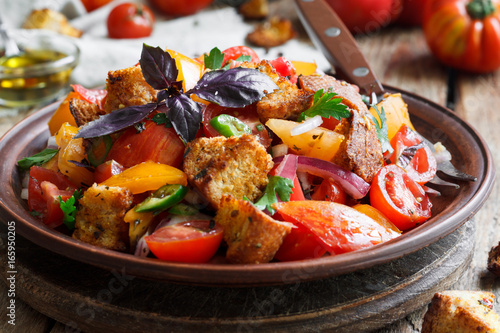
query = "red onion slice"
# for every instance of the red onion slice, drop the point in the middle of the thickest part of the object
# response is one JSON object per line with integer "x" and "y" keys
{"x": 354, "y": 185}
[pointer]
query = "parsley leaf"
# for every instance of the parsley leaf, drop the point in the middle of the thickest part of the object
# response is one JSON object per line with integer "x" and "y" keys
{"x": 162, "y": 119}
{"x": 326, "y": 106}
{"x": 277, "y": 185}
{"x": 382, "y": 129}
{"x": 214, "y": 59}
{"x": 68, "y": 208}
{"x": 37, "y": 159}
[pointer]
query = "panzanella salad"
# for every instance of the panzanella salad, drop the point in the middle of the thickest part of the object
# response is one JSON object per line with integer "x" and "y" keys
{"x": 256, "y": 160}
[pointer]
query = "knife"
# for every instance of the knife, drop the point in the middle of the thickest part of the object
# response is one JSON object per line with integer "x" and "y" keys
{"x": 331, "y": 36}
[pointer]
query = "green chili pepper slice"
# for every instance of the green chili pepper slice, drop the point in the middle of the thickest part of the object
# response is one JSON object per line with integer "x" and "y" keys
{"x": 229, "y": 126}
{"x": 163, "y": 198}
{"x": 99, "y": 150}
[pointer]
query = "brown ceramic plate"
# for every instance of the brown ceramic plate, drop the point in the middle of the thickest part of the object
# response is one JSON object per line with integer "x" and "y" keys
{"x": 450, "y": 211}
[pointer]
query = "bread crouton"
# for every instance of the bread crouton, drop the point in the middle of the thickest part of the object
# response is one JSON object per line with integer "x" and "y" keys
{"x": 361, "y": 151}
{"x": 99, "y": 220}
{"x": 494, "y": 260}
{"x": 252, "y": 236}
{"x": 127, "y": 87}
{"x": 274, "y": 32}
{"x": 220, "y": 166}
{"x": 83, "y": 111}
{"x": 287, "y": 102}
{"x": 461, "y": 311}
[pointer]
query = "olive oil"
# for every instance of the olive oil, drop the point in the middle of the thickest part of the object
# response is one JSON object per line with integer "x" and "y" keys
{"x": 24, "y": 80}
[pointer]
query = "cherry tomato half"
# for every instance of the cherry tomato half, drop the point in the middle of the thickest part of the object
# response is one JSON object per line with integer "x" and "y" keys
{"x": 192, "y": 241}
{"x": 247, "y": 115}
{"x": 329, "y": 190}
{"x": 130, "y": 20}
{"x": 399, "y": 198}
{"x": 422, "y": 166}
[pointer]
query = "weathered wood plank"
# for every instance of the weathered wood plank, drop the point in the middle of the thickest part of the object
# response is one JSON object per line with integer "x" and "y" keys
{"x": 478, "y": 104}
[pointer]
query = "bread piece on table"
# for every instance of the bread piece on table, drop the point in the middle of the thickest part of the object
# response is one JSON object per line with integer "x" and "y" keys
{"x": 494, "y": 260}
{"x": 50, "y": 20}
{"x": 252, "y": 236}
{"x": 220, "y": 166}
{"x": 99, "y": 220}
{"x": 461, "y": 311}
{"x": 274, "y": 32}
{"x": 254, "y": 9}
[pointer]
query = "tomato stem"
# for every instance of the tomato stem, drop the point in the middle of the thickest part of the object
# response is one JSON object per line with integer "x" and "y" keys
{"x": 479, "y": 9}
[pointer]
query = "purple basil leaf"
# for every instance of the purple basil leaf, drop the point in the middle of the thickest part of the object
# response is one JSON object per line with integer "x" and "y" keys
{"x": 185, "y": 115}
{"x": 158, "y": 67}
{"x": 234, "y": 88}
{"x": 115, "y": 121}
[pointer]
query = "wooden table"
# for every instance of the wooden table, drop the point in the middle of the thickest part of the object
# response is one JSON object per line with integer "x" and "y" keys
{"x": 401, "y": 58}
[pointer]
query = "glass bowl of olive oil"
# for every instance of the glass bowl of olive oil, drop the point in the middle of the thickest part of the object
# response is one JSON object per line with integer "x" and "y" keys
{"x": 41, "y": 72}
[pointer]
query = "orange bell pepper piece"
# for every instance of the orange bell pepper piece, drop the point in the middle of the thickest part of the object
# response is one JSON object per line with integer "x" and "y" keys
{"x": 62, "y": 114}
{"x": 147, "y": 176}
{"x": 304, "y": 68}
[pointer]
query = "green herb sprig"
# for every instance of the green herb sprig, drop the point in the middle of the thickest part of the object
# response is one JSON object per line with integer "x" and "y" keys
{"x": 68, "y": 208}
{"x": 277, "y": 187}
{"x": 37, "y": 159}
{"x": 382, "y": 129}
{"x": 326, "y": 105}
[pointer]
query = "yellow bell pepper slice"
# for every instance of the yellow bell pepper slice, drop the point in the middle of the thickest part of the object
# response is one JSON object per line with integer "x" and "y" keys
{"x": 64, "y": 135}
{"x": 138, "y": 225}
{"x": 396, "y": 112}
{"x": 304, "y": 68}
{"x": 62, "y": 114}
{"x": 190, "y": 70}
{"x": 147, "y": 176}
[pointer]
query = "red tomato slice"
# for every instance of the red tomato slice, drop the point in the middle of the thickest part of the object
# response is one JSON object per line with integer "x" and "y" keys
{"x": 337, "y": 227}
{"x": 300, "y": 244}
{"x": 248, "y": 115}
{"x": 191, "y": 241}
{"x": 285, "y": 68}
{"x": 94, "y": 96}
{"x": 106, "y": 170}
{"x": 156, "y": 143}
{"x": 54, "y": 215}
{"x": 422, "y": 167}
{"x": 37, "y": 202}
{"x": 398, "y": 197}
{"x": 329, "y": 190}
{"x": 235, "y": 52}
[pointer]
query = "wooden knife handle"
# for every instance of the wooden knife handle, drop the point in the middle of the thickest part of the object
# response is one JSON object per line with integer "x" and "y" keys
{"x": 332, "y": 37}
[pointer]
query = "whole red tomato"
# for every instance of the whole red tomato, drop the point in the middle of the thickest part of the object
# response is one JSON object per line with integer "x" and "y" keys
{"x": 130, "y": 20}
{"x": 464, "y": 34}
{"x": 412, "y": 13}
{"x": 180, "y": 7}
{"x": 91, "y": 5}
{"x": 365, "y": 16}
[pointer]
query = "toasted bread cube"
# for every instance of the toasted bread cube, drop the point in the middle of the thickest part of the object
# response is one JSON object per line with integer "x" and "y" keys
{"x": 254, "y": 9}
{"x": 252, "y": 236}
{"x": 127, "y": 87}
{"x": 287, "y": 102}
{"x": 99, "y": 220}
{"x": 83, "y": 111}
{"x": 461, "y": 311}
{"x": 51, "y": 20}
{"x": 220, "y": 166}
